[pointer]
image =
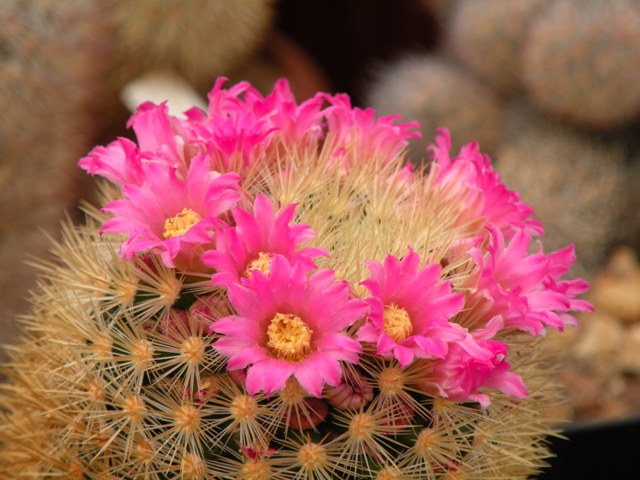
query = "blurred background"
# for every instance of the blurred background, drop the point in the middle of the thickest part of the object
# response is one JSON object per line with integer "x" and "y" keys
{"x": 549, "y": 88}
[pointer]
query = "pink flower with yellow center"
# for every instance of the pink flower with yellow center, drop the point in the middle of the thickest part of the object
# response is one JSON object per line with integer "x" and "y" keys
{"x": 409, "y": 310}
{"x": 526, "y": 289}
{"x": 290, "y": 324}
{"x": 255, "y": 238}
{"x": 169, "y": 215}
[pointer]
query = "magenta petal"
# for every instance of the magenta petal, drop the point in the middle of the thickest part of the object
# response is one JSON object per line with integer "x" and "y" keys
{"x": 309, "y": 379}
{"x": 235, "y": 326}
{"x": 404, "y": 355}
{"x": 508, "y": 383}
{"x": 247, "y": 356}
{"x": 325, "y": 366}
{"x": 385, "y": 344}
{"x": 429, "y": 348}
{"x": 268, "y": 375}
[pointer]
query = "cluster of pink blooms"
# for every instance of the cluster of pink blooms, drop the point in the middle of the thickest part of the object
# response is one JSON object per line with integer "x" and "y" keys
{"x": 183, "y": 200}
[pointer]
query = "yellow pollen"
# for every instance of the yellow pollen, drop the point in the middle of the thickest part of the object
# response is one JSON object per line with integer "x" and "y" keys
{"x": 397, "y": 323}
{"x": 261, "y": 263}
{"x": 181, "y": 223}
{"x": 289, "y": 337}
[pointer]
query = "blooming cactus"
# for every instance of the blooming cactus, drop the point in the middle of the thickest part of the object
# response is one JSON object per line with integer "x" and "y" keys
{"x": 270, "y": 292}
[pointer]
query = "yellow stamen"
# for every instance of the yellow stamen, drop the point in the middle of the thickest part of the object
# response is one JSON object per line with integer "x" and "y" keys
{"x": 397, "y": 323}
{"x": 181, "y": 223}
{"x": 261, "y": 263}
{"x": 289, "y": 337}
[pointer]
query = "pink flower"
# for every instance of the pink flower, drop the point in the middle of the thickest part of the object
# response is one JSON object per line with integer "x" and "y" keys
{"x": 410, "y": 310}
{"x": 351, "y": 128}
{"x": 242, "y": 127}
{"x": 119, "y": 162}
{"x": 526, "y": 290}
{"x": 463, "y": 371}
{"x": 289, "y": 324}
{"x": 169, "y": 215}
{"x": 255, "y": 238}
{"x": 473, "y": 184}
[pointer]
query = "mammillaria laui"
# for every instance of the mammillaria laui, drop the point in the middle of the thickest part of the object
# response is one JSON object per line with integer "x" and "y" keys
{"x": 270, "y": 292}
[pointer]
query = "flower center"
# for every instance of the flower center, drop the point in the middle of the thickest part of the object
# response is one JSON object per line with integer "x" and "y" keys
{"x": 181, "y": 223}
{"x": 289, "y": 337}
{"x": 261, "y": 263}
{"x": 397, "y": 323}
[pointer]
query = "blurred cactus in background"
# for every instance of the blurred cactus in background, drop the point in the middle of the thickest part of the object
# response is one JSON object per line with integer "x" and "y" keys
{"x": 195, "y": 38}
{"x": 51, "y": 68}
{"x": 581, "y": 62}
{"x": 578, "y": 186}
{"x": 270, "y": 292}
{"x": 487, "y": 36}
{"x": 435, "y": 91}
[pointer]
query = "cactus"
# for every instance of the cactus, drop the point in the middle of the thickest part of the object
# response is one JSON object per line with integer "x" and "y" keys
{"x": 49, "y": 80}
{"x": 487, "y": 36}
{"x": 581, "y": 62}
{"x": 270, "y": 293}
{"x": 198, "y": 37}
{"x": 577, "y": 185}
{"x": 438, "y": 93}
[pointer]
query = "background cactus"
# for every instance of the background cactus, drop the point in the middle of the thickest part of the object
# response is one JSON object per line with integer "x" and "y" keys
{"x": 487, "y": 37}
{"x": 130, "y": 365}
{"x": 196, "y": 38}
{"x": 43, "y": 133}
{"x": 578, "y": 186}
{"x": 581, "y": 61}
{"x": 437, "y": 92}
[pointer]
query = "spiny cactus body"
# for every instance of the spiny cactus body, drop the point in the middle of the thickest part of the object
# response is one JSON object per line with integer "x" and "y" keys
{"x": 269, "y": 293}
